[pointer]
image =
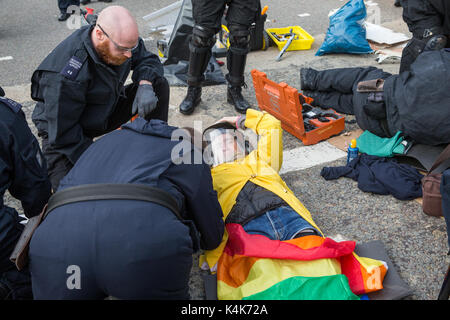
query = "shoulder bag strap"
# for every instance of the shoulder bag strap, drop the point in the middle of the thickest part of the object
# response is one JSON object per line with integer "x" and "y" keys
{"x": 445, "y": 155}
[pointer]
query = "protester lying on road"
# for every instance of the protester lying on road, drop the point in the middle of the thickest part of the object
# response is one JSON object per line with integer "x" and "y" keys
{"x": 271, "y": 236}
{"x": 414, "y": 102}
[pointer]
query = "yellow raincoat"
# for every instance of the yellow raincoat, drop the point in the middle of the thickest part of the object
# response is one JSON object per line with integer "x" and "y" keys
{"x": 261, "y": 167}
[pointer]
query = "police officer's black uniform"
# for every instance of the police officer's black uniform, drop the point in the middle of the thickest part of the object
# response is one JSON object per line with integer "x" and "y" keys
{"x": 429, "y": 22}
{"x": 80, "y": 97}
{"x": 23, "y": 173}
{"x": 129, "y": 249}
{"x": 207, "y": 16}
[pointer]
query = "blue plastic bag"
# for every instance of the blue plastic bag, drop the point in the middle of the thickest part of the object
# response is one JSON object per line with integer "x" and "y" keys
{"x": 346, "y": 34}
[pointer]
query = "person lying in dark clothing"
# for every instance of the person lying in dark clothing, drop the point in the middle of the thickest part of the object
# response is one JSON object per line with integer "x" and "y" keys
{"x": 414, "y": 102}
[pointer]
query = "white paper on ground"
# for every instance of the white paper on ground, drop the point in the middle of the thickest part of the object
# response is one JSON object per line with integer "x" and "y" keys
{"x": 380, "y": 34}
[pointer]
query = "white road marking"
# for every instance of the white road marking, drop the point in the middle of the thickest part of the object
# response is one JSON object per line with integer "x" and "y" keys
{"x": 6, "y": 58}
{"x": 309, "y": 156}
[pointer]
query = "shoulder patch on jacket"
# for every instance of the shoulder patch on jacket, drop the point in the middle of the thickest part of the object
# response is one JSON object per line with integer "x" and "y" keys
{"x": 72, "y": 68}
{"x": 75, "y": 63}
{"x": 14, "y": 106}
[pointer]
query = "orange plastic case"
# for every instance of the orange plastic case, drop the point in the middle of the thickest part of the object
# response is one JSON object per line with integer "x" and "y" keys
{"x": 283, "y": 102}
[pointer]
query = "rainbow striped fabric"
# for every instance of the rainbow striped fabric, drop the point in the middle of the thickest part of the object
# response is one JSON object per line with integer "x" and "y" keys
{"x": 310, "y": 268}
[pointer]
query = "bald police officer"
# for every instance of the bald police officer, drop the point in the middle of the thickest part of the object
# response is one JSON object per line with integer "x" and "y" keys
{"x": 81, "y": 93}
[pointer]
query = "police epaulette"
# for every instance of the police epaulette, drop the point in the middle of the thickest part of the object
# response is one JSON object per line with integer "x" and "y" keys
{"x": 71, "y": 69}
{"x": 14, "y": 106}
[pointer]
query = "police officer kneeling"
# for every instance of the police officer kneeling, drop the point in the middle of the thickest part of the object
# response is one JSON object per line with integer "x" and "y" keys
{"x": 80, "y": 88}
{"x": 126, "y": 247}
{"x": 23, "y": 173}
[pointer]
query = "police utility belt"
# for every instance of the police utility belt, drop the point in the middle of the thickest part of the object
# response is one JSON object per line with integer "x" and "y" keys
{"x": 92, "y": 192}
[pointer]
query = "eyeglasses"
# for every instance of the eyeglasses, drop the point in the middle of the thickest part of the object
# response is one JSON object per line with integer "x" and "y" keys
{"x": 119, "y": 47}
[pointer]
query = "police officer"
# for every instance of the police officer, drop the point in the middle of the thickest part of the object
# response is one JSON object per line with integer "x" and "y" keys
{"x": 429, "y": 22}
{"x": 80, "y": 88}
{"x": 23, "y": 173}
{"x": 207, "y": 16}
{"x": 127, "y": 248}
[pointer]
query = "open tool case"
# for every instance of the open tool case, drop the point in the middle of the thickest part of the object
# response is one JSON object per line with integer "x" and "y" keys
{"x": 297, "y": 116}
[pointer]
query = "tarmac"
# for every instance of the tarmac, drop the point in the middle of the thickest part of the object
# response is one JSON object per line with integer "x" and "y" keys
{"x": 416, "y": 243}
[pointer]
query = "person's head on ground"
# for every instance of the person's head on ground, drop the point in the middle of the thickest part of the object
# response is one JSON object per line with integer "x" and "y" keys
{"x": 115, "y": 35}
{"x": 224, "y": 143}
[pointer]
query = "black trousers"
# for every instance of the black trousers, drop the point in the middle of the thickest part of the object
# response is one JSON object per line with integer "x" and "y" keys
{"x": 17, "y": 283}
{"x": 334, "y": 88}
{"x": 208, "y": 13}
{"x": 58, "y": 165}
{"x": 126, "y": 249}
{"x": 64, "y": 4}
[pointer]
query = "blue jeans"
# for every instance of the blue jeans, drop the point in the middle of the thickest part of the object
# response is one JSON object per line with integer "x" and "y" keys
{"x": 282, "y": 223}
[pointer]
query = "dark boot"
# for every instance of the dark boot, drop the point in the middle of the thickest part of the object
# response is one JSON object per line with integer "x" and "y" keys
{"x": 192, "y": 99}
{"x": 236, "y": 60}
{"x": 63, "y": 16}
{"x": 234, "y": 96}
{"x": 198, "y": 62}
{"x": 308, "y": 79}
{"x": 398, "y": 3}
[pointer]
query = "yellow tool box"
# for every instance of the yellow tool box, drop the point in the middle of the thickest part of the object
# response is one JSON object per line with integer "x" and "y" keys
{"x": 302, "y": 41}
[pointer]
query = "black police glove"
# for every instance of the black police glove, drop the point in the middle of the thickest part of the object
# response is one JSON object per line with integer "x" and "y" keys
{"x": 145, "y": 101}
{"x": 375, "y": 109}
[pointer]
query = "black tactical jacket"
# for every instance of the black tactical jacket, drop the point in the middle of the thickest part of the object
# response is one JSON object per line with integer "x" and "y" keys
{"x": 77, "y": 92}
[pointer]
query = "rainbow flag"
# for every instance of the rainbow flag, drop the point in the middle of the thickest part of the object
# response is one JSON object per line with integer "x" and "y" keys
{"x": 306, "y": 268}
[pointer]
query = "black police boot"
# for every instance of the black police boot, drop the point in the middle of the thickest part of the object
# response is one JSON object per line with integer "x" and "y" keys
{"x": 308, "y": 79}
{"x": 63, "y": 16}
{"x": 234, "y": 96}
{"x": 192, "y": 99}
{"x": 236, "y": 60}
{"x": 198, "y": 62}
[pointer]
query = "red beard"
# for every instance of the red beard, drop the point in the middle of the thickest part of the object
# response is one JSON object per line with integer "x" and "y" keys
{"x": 105, "y": 54}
